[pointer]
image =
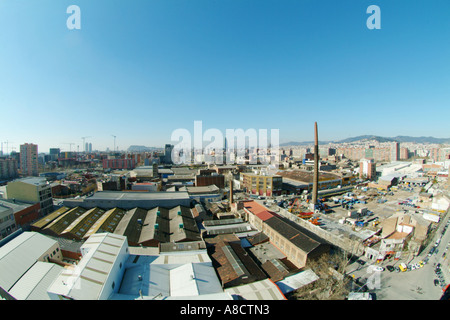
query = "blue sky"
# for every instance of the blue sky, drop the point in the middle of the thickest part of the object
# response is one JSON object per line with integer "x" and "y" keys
{"x": 141, "y": 69}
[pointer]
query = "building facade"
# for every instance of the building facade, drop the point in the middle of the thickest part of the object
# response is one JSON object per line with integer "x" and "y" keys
{"x": 7, "y": 221}
{"x": 367, "y": 169}
{"x": 32, "y": 190}
{"x": 29, "y": 159}
{"x": 8, "y": 169}
{"x": 127, "y": 164}
{"x": 262, "y": 185}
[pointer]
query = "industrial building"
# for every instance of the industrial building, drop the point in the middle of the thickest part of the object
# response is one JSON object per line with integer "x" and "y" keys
{"x": 32, "y": 190}
{"x": 130, "y": 200}
{"x": 296, "y": 242}
{"x": 24, "y": 213}
{"x": 142, "y": 227}
{"x": 210, "y": 193}
{"x": 297, "y": 180}
{"x": 262, "y": 185}
{"x": 7, "y": 222}
{"x": 26, "y": 270}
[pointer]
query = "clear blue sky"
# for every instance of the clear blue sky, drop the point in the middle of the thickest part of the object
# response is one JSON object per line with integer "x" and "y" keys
{"x": 141, "y": 69}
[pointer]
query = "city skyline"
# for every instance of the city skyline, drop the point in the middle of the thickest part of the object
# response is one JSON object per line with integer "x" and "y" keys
{"x": 140, "y": 71}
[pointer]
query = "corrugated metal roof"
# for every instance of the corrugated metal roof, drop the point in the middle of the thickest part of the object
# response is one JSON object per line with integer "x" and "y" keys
{"x": 34, "y": 284}
{"x": 86, "y": 280}
{"x": 259, "y": 290}
{"x": 297, "y": 281}
{"x": 18, "y": 255}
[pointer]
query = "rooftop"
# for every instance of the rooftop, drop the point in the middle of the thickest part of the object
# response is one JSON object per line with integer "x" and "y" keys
{"x": 87, "y": 279}
{"x": 19, "y": 254}
{"x": 119, "y": 195}
{"x": 37, "y": 181}
{"x": 307, "y": 176}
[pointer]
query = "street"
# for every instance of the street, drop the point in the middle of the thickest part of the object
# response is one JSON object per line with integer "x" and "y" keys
{"x": 409, "y": 285}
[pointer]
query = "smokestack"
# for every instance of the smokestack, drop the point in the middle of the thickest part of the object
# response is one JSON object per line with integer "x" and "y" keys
{"x": 231, "y": 189}
{"x": 316, "y": 166}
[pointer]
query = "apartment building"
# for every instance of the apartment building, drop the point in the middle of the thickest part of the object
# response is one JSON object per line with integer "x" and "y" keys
{"x": 367, "y": 169}
{"x": 8, "y": 169}
{"x": 29, "y": 159}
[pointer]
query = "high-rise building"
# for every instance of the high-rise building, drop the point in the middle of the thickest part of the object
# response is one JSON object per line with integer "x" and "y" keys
{"x": 395, "y": 151}
{"x": 29, "y": 159}
{"x": 8, "y": 169}
{"x": 367, "y": 169}
{"x": 54, "y": 153}
{"x": 168, "y": 153}
{"x": 404, "y": 153}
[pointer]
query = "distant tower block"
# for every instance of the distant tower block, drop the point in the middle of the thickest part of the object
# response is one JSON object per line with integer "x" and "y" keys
{"x": 316, "y": 166}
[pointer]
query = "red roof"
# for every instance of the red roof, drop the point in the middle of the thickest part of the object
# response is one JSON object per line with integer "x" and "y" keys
{"x": 264, "y": 215}
{"x": 259, "y": 210}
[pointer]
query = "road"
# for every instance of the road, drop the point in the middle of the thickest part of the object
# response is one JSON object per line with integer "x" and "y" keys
{"x": 410, "y": 285}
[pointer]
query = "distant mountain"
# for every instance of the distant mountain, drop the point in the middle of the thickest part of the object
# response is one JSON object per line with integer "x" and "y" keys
{"x": 303, "y": 143}
{"x": 399, "y": 139}
{"x": 422, "y": 139}
{"x": 366, "y": 137}
{"x": 135, "y": 148}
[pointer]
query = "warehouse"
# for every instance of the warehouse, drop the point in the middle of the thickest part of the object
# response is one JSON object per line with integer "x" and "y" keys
{"x": 130, "y": 200}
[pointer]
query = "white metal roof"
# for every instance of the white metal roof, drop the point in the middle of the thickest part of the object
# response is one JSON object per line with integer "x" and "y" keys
{"x": 297, "y": 281}
{"x": 18, "y": 255}
{"x": 179, "y": 274}
{"x": 34, "y": 284}
{"x": 259, "y": 290}
{"x": 86, "y": 280}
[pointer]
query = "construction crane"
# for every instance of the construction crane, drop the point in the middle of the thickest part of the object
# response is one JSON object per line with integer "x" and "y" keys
{"x": 7, "y": 148}
{"x": 114, "y": 142}
{"x": 84, "y": 144}
{"x": 70, "y": 145}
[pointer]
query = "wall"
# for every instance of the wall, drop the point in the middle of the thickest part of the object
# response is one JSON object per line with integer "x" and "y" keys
{"x": 27, "y": 215}
{"x": 116, "y": 273}
{"x": 22, "y": 191}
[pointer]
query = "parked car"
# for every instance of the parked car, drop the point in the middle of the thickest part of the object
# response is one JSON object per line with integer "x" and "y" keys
{"x": 378, "y": 268}
{"x": 390, "y": 268}
{"x": 397, "y": 269}
{"x": 361, "y": 262}
{"x": 436, "y": 282}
